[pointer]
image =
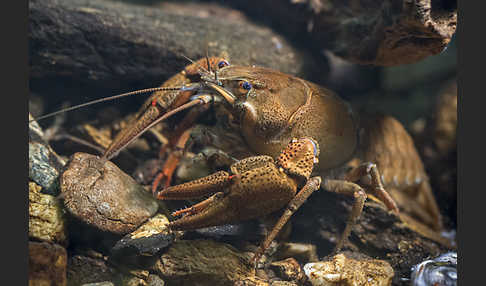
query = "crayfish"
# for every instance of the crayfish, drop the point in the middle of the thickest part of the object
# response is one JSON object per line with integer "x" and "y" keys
{"x": 294, "y": 128}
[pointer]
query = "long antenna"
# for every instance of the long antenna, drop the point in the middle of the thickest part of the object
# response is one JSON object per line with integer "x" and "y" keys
{"x": 197, "y": 101}
{"x": 141, "y": 91}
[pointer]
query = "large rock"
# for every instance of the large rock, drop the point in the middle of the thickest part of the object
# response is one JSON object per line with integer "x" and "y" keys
{"x": 118, "y": 45}
{"x": 103, "y": 196}
{"x": 203, "y": 262}
{"x": 367, "y": 32}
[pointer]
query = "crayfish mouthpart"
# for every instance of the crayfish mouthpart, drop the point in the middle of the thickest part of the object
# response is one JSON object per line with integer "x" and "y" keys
{"x": 230, "y": 98}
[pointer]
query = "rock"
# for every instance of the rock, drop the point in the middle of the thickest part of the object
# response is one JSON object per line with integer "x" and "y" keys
{"x": 255, "y": 281}
{"x": 83, "y": 269}
{"x": 378, "y": 33}
{"x": 203, "y": 262}
{"x": 105, "y": 283}
{"x": 441, "y": 270}
{"x": 47, "y": 264}
{"x": 377, "y": 233}
{"x": 344, "y": 271}
{"x": 436, "y": 68}
{"x": 154, "y": 280}
{"x": 132, "y": 281}
{"x": 147, "y": 240}
{"x": 289, "y": 270}
{"x": 101, "y": 195}
{"x": 46, "y": 217}
{"x": 118, "y": 45}
{"x": 249, "y": 230}
{"x": 303, "y": 252}
{"x": 252, "y": 281}
{"x": 44, "y": 164}
{"x": 284, "y": 283}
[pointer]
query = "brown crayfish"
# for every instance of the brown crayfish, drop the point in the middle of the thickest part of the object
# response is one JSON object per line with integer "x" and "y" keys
{"x": 305, "y": 127}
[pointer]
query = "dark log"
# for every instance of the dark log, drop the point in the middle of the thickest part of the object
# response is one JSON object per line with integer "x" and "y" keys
{"x": 119, "y": 45}
{"x": 384, "y": 33}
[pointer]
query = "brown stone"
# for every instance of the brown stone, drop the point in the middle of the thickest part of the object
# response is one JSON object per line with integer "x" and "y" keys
{"x": 103, "y": 196}
{"x": 203, "y": 262}
{"x": 83, "y": 269}
{"x": 117, "y": 45}
{"x": 385, "y": 33}
{"x": 47, "y": 264}
{"x": 46, "y": 216}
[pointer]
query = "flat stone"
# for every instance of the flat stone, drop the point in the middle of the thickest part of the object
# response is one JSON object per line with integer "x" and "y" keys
{"x": 203, "y": 262}
{"x": 103, "y": 196}
{"x": 147, "y": 240}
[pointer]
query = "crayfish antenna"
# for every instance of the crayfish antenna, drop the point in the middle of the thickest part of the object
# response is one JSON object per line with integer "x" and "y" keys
{"x": 149, "y": 119}
{"x": 136, "y": 92}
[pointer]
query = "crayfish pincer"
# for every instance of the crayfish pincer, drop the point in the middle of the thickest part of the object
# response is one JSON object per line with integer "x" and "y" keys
{"x": 257, "y": 186}
{"x": 261, "y": 112}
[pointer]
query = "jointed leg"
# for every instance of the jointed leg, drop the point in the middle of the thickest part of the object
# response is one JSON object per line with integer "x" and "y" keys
{"x": 312, "y": 185}
{"x": 171, "y": 163}
{"x": 376, "y": 186}
{"x": 350, "y": 189}
{"x": 178, "y": 141}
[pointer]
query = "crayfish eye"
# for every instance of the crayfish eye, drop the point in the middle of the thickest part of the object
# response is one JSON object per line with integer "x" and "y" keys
{"x": 245, "y": 85}
{"x": 223, "y": 64}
